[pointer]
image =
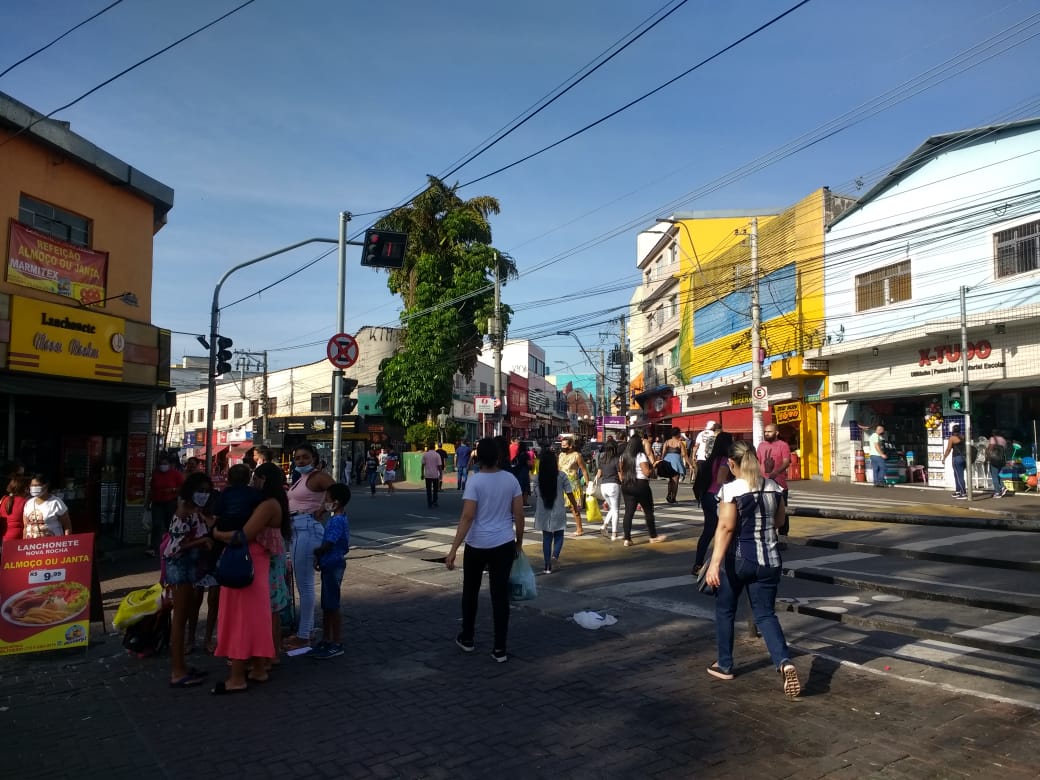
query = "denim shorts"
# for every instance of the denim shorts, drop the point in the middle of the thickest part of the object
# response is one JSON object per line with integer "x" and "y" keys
{"x": 184, "y": 569}
{"x": 331, "y": 579}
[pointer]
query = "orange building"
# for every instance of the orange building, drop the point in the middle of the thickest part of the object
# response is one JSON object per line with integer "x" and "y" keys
{"x": 82, "y": 368}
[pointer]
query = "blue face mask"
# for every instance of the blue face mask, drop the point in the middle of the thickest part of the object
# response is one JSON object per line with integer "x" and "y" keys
{"x": 305, "y": 469}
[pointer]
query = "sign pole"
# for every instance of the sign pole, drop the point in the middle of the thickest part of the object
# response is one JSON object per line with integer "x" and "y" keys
{"x": 337, "y": 376}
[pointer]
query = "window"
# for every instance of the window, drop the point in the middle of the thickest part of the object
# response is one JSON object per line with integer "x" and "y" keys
{"x": 200, "y": 415}
{"x": 176, "y": 418}
{"x": 223, "y": 411}
{"x": 254, "y": 408}
{"x": 191, "y": 415}
{"x": 841, "y": 387}
{"x": 238, "y": 410}
{"x": 673, "y": 306}
{"x": 483, "y": 388}
{"x": 883, "y": 286}
{"x": 272, "y": 406}
{"x": 1017, "y": 249}
{"x": 53, "y": 221}
{"x": 321, "y": 402}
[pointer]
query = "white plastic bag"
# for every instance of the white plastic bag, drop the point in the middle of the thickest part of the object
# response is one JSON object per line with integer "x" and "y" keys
{"x": 593, "y": 489}
{"x": 593, "y": 620}
{"x": 521, "y": 580}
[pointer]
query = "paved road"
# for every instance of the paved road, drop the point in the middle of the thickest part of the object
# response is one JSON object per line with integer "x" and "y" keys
{"x": 630, "y": 700}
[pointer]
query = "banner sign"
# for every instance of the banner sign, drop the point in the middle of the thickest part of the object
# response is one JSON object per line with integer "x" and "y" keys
{"x": 484, "y": 404}
{"x": 48, "y": 338}
{"x": 787, "y": 413}
{"x": 45, "y": 263}
{"x": 45, "y": 593}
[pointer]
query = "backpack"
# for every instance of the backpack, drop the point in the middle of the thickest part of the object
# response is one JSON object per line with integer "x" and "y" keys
{"x": 996, "y": 454}
{"x": 149, "y": 635}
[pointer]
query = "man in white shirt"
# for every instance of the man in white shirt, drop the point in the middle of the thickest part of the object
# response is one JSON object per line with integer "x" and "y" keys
{"x": 704, "y": 442}
{"x": 876, "y": 450}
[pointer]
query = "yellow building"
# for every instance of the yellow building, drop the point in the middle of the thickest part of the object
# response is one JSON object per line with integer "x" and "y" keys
{"x": 82, "y": 369}
{"x": 714, "y": 349}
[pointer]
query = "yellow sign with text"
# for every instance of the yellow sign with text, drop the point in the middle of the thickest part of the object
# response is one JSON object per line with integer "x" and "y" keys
{"x": 48, "y": 338}
{"x": 787, "y": 413}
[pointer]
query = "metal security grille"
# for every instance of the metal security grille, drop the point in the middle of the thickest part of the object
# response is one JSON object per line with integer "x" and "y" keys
{"x": 1017, "y": 249}
{"x": 883, "y": 286}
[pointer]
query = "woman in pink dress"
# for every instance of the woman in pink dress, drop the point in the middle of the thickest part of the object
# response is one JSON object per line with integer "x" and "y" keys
{"x": 244, "y": 619}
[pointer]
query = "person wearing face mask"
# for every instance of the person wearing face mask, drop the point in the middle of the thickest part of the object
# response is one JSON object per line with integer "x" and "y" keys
{"x": 187, "y": 538}
{"x": 306, "y": 508}
{"x": 331, "y": 560}
{"x": 44, "y": 514}
{"x": 162, "y": 501}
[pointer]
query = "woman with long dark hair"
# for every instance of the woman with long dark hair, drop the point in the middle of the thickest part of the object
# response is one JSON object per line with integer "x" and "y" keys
{"x": 550, "y": 506}
{"x": 746, "y": 555}
{"x": 244, "y": 627}
{"x": 717, "y": 473}
{"x": 492, "y": 527}
{"x": 634, "y": 471}
{"x": 610, "y": 484}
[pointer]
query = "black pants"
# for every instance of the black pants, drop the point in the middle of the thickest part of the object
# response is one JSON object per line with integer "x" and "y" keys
{"x": 786, "y": 527}
{"x": 433, "y": 487}
{"x": 162, "y": 516}
{"x": 639, "y": 493}
{"x": 498, "y": 560}
{"x": 710, "y": 507}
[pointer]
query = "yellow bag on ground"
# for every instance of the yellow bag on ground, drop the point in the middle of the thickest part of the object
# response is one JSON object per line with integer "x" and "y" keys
{"x": 592, "y": 510}
{"x": 138, "y": 604}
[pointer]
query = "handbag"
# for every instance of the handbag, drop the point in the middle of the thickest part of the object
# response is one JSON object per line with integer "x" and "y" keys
{"x": 235, "y": 564}
{"x": 702, "y": 584}
{"x": 593, "y": 489}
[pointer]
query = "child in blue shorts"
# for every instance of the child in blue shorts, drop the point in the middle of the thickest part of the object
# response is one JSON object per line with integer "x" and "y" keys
{"x": 330, "y": 560}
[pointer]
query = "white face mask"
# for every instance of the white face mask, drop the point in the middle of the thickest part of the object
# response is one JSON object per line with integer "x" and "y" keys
{"x": 36, "y": 490}
{"x": 330, "y": 506}
{"x": 200, "y": 499}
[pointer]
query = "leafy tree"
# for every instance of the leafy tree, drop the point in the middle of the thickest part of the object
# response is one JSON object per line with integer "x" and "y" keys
{"x": 446, "y": 286}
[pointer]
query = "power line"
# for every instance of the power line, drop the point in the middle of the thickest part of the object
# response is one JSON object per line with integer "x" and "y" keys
{"x": 46, "y": 46}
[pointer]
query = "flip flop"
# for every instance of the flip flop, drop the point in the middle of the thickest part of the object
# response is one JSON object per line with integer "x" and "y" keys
{"x": 221, "y": 689}
{"x": 190, "y": 680}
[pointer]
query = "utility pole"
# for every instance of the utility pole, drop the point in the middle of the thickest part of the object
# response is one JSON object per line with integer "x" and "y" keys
{"x": 969, "y": 465}
{"x": 263, "y": 405}
{"x": 337, "y": 375}
{"x": 496, "y": 336}
{"x": 757, "y": 404}
{"x": 604, "y": 391}
{"x": 623, "y": 363}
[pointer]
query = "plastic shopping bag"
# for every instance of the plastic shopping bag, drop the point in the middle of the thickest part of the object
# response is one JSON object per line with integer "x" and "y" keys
{"x": 521, "y": 580}
{"x": 592, "y": 510}
{"x": 137, "y": 605}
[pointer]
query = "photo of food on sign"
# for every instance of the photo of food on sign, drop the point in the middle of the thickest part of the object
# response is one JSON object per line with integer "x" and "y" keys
{"x": 46, "y": 605}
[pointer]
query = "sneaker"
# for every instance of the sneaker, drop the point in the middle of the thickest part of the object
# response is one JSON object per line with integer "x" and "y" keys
{"x": 1002, "y": 493}
{"x": 334, "y": 649}
{"x": 718, "y": 673}
{"x": 547, "y": 571}
{"x": 326, "y": 650}
{"x": 960, "y": 495}
{"x": 466, "y": 645}
{"x": 792, "y": 687}
{"x": 499, "y": 656}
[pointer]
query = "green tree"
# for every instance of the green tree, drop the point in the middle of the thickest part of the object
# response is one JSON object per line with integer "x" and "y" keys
{"x": 446, "y": 286}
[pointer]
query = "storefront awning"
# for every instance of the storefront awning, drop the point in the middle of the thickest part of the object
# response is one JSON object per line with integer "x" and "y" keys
{"x": 84, "y": 390}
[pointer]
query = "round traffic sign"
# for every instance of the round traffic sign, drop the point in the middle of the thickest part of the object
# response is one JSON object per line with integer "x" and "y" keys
{"x": 759, "y": 393}
{"x": 343, "y": 350}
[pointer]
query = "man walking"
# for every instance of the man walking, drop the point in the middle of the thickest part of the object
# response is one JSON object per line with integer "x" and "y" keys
{"x": 876, "y": 449}
{"x": 462, "y": 455}
{"x": 431, "y": 470}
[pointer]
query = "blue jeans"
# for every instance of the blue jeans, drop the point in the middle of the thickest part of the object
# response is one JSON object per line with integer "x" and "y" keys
{"x": 998, "y": 486}
{"x": 307, "y": 535}
{"x": 877, "y": 465}
{"x": 552, "y": 545}
{"x": 463, "y": 473}
{"x": 959, "y": 462}
{"x": 761, "y": 583}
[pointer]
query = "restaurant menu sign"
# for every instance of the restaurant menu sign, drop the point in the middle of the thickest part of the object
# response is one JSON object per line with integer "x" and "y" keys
{"x": 45, "y": 593}
{"x": 48, "y": 338}
{"x": 45, "y": 263}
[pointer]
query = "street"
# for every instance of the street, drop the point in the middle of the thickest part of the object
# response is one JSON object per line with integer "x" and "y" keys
{"x": 628, "y": 700}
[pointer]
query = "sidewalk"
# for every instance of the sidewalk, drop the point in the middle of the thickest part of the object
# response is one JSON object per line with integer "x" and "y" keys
{"x": 630, "y": 700}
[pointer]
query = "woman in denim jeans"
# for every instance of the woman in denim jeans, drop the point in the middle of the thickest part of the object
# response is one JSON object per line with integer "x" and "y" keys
{"x": 751, "y": 508}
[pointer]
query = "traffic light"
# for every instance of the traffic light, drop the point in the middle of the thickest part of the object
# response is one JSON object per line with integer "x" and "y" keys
{"x": 384, "y": 249}
{"x": 956, "y": 400}
{"x": 223, "y": 364}
{"x": 347, "y": 386}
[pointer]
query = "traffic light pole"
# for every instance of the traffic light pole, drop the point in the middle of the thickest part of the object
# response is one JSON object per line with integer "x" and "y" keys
{"x": 214, "y": 321}
{"x": 337, "y": 375}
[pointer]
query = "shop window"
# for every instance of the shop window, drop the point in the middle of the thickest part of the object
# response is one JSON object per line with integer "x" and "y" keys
{"x": 1017, "y": 249}
{"x": 254, "y": 408}
{"x": 238, "y": 410}
{"x": 883, "y": 286}
{"x": 53, "y": 221}
{"x": 191, "y": 415}
{"x": 176, "y": 418}
{"x": 321, "y": 402}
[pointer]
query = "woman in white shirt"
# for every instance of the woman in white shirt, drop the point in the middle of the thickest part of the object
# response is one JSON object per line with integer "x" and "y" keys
{"x": 550, "y": 506}
{"x": 44, "y": 514}
{"x": 634, "y": 471}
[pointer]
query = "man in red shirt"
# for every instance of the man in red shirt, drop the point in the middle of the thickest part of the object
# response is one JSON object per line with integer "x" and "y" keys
{"x": 162, "y": 500}
{"x": 774, "y": 456}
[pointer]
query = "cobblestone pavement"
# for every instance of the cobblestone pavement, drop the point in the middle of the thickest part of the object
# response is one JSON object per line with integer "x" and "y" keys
{"x": 631, "y": 700}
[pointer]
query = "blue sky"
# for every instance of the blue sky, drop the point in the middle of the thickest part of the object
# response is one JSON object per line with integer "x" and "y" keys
{"x": 273, "y": 121}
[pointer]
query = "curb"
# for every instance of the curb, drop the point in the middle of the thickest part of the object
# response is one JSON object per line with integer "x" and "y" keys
{"x": 1002, "y": 523}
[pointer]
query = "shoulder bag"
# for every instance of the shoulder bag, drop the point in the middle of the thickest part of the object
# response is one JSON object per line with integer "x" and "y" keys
{"x": 235, "y": 565}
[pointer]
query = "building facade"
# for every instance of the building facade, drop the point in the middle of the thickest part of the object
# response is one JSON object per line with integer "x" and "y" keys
{"x": 82, "y": 367}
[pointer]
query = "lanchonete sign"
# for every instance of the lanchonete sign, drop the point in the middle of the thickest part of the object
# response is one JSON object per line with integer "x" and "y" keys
{"x": 43, "y": 263}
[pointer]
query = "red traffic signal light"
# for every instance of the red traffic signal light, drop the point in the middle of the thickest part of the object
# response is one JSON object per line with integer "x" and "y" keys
{"x": 384, "y": 249}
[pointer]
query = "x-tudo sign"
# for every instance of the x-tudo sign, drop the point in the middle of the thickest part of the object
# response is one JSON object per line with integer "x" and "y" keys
{"x": 343, "y": 350}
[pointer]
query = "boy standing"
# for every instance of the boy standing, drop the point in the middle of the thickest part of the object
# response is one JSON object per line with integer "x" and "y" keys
{"x": 330, "y": 560}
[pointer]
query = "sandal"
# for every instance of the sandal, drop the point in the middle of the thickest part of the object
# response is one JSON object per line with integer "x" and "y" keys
{"x": 190, "y": 680}
{"x": 221, "y": 689}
